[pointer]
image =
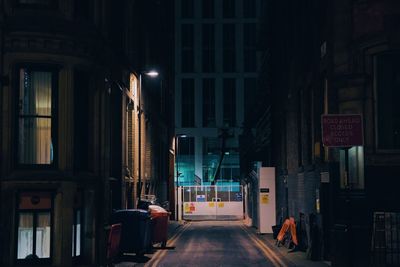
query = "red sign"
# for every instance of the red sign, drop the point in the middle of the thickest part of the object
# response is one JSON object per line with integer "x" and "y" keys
{"x": 342, "y": 130}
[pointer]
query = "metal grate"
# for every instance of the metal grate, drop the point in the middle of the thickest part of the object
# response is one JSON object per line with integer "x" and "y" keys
{"x": 386, "y": 239}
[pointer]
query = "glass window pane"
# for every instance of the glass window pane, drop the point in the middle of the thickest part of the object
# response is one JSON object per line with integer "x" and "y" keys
{"x": 208, "y": 46}
{"x": 208, "y": 8}
{"x": 209, "y": 103}
{"x": 228, "y": 8}
{"x": 43, "y": 231}
{"x": 249, "y": 8}
{"x": 187, "y": 8}
{"x": 35, "y": 93}
{"x": 355, "y": 179}
{"x": 188, "y": 103}
{"x": 78, "y": 233}
{"x": 35, "y": 117}
{"x": 34, "y": 141}
{"x": 229, "y": 48}
{"x": 229, "y": 102}
{"x": 73, "y": 240}
{"x": 25, "y": 235}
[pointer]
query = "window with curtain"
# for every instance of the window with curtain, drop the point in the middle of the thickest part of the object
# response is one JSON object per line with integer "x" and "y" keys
{"x": 35, "y": 117}
{"x": 34, "y": 227}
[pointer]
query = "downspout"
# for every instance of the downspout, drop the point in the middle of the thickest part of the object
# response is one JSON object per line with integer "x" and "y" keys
{"x": 1, "y": 111}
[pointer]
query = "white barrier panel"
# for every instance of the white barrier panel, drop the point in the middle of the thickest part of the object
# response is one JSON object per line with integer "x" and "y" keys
{"x": 210, "y": 203}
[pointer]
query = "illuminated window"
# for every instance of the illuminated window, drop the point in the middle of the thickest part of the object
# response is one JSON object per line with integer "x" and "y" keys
{"x": 34, "y": 227}
{"x": 77, "y": 226}
{"x": 355, "y": 174}
{"x": 133, "y": 84}
{"x": 185, "y": 160}
{"x": 36, "y": 134}
{"x": 211, "y": 154}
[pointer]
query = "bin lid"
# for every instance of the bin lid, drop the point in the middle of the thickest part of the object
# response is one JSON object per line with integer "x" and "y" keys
{"x": 155, "y": 208}
{"x": 130, "y": 213}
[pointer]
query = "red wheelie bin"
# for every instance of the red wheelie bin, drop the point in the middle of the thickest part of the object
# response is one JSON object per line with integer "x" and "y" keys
{"x": 160, "y": 218}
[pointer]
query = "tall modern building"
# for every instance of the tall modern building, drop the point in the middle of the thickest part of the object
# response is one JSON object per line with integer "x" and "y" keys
{"x": 215, "y": 72}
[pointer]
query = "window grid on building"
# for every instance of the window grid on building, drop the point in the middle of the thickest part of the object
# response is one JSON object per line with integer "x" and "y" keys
{"x": 188, "y": 103}
{"x": 209, "y": 103}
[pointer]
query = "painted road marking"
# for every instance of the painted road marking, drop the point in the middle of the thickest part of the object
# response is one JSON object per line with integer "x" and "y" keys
{"x": 276, "y": 261}
{"x": 171, "y": 242}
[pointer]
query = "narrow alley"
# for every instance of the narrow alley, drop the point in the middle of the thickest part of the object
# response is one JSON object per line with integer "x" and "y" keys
{"x": 220, "y": 243}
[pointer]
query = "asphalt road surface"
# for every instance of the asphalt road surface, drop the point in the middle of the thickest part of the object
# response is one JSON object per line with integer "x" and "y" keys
{"x": 215, "y": 243}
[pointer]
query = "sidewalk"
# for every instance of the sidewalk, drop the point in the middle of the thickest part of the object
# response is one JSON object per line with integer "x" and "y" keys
{"x": 297, "y": 258}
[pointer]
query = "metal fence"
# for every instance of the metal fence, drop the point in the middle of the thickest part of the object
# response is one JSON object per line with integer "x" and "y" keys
{"x": 386, "y": 239}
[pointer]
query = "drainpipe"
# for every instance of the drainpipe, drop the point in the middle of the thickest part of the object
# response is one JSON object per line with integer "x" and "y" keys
{"x": 1, "y": 101}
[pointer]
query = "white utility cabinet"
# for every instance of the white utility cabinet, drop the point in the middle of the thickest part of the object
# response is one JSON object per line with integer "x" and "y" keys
{"x": 266, "y": 199}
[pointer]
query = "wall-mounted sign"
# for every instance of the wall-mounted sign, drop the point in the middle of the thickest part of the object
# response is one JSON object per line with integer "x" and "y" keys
{"x": 342, "y": 130}
{"x": 264, "y": 199}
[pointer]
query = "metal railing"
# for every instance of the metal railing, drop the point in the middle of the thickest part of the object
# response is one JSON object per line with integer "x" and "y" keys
{"x": 386, "y": 239}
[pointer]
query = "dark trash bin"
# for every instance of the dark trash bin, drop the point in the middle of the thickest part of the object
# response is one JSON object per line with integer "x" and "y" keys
{"x": 160, "y": 224}
{"x": 136, "y": 230}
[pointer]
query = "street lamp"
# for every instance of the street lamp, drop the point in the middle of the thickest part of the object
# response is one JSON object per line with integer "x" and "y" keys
{"x": 151, "y": 74}
{"x": 177, "y": 136}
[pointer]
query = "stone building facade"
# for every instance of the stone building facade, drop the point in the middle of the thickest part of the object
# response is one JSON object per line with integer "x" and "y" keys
{"x": 69, "y": 126}
{"x": 330, "y": 57}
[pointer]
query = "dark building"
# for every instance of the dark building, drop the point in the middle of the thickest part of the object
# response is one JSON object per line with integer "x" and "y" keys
{"x": 331, "y": 57}
{"x": 69, "y": 139}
